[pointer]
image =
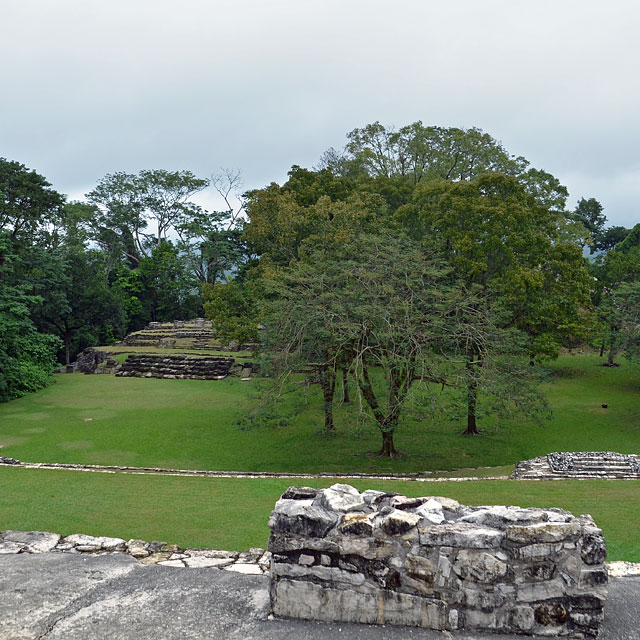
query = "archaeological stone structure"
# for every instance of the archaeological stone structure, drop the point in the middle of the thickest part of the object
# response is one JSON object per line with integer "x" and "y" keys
{"x": 583, "y": 464}
{"x": 175, "y": 367}
{"x": 383, "y": 558}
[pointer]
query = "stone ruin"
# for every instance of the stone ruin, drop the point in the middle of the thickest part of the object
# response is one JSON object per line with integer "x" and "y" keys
{"x": 582, "y": 464}
{"x": 175, "y": 367}
{"x": 198, "y": 332}
{"x": 93, "y": 361}
{"x": 383, "y": 558}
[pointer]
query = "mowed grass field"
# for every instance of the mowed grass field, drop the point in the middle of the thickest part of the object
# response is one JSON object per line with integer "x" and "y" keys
{"x": 232, "y": 513}
{"x": 194, "y": 424}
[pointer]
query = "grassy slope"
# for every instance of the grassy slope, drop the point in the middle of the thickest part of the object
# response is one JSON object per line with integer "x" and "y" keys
{"x": 191, "y": 424}
{"x": 233, "y": 513}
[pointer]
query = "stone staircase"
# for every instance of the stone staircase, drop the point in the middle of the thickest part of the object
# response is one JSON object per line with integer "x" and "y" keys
{"x": 582, "y": 464}
{"x": 175, "y": 367}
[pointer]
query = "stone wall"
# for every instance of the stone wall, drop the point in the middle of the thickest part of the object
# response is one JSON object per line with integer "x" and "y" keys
{"x": 382, "y": 558}
{"x": 579, "y": 464}
{"x": 175, "y": 367}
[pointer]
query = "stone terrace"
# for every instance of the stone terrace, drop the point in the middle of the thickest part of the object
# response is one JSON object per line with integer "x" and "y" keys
{"x": 175, "y": 367}
{"x": 198, "y": 332}
{"x": 583, "y": 464}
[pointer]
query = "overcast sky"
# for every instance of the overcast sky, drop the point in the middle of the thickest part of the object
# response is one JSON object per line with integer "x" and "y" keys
{"x": 88, "y": 88}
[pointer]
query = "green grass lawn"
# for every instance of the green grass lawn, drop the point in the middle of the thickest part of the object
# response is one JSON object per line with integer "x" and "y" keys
{"x": 193, "y": 424}
{"x": 232, "y": 513}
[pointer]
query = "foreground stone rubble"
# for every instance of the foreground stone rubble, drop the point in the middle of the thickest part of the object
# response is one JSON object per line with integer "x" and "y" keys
{"x": 375, "y": 557}
{"x": 251, "y": 562}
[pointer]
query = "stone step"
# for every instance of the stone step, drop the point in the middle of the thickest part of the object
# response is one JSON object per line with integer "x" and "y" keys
{"x": 175, "y": 367}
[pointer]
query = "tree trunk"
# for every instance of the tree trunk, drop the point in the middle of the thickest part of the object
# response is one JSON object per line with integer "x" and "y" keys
{"x": 67, "y": 348}
{"x": 328, "y": 382}
{"x": 388, "y": 450}
{"x": 472, "y": 397}
{"x": 472, "y": 401}
{"x": 612, "y": 349}
{"x": 345, "y": 386}
{"x": 602, "y": 349}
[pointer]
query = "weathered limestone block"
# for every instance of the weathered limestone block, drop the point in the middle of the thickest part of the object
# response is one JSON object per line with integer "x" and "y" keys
{"x": 302, "y": 517}
{"x": 480, "y": 566}
{"x": 380, "y": 558}
{"x": 32, "y": 541}
{"x": 342, "y": 497}
{"x": 461, "y": 534}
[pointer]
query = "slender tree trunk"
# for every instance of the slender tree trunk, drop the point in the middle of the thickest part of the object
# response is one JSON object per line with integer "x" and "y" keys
{"x": 612, "y": 349}
{"x": 472, "y": 400}
{"x": 328, "y": 382}
{"x": 67, "y": 347}
{"x": 345, "y": 386}
{"x": 602, "y": 349}
{"x": 472, "y": 395}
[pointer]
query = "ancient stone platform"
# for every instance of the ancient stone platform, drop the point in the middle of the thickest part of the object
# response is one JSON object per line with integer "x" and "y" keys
{"x": 198, "y": 333}
{"x": 175, "y": 367}
{"x": 583, "y": 464}
{"x": 381, "y": 558}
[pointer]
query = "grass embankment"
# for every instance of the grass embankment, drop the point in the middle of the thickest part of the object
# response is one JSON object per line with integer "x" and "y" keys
{"x": 193, "y": 424}
{"x": 233, "y": 513}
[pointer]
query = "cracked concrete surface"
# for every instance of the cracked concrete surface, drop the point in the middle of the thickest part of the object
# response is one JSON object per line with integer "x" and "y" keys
{"x": 55, "y": 596}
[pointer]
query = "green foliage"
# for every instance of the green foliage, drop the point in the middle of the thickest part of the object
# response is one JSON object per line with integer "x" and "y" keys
{"x": 377, "y": 303}
{"x": 27, "y": 358}
{"x": 589, "y": 214}
{"x": 212, "y": 246}
{"x": 631, "y": 241}
{"x": 232, "y": 309}
{"x": 626, "y": 307}
{"x": 127, "y": 203}
{"x": 498, "y": 236}
{"x": 27, "y": 203}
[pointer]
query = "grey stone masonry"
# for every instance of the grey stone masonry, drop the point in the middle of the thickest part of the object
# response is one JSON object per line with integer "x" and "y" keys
{"x": 175, "y": 367}
{"x": 581, "y": 464}
{"x": 383, "y": 558}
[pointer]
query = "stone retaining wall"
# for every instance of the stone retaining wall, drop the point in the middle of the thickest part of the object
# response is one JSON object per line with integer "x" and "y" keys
{"x": 175, "y": 367}
{"x": 375, "y": 557}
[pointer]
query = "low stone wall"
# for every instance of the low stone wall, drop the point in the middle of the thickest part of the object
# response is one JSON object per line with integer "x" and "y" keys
{"x": 176, "y": 367}
{"x": 579, "y": 464}
{"x": 382, "y": 558}
{"x": 251, "y": 562}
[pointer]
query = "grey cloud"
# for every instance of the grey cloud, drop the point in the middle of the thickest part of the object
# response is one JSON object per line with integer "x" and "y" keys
{"x": 90, "y": 88}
